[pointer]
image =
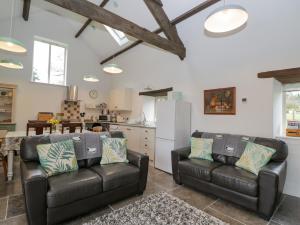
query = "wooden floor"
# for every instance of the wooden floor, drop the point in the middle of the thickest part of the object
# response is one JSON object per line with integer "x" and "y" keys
{"x": 12, "y": 204}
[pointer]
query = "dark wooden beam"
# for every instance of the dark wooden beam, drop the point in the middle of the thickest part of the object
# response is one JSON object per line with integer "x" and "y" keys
{"x": 26, "y": 9}
{"x": 163, "y": 21}
{"x": 88, "y": 9}
{"x": 103, "y": 3}
{"x": 285, "y": 76}
{"x": 155, "y": 93}
{"x": 177, "y": 20}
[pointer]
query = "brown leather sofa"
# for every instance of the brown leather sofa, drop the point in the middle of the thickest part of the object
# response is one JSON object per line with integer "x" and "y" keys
{"x": 51, "y": 200}
{"x": 260, "y": 193}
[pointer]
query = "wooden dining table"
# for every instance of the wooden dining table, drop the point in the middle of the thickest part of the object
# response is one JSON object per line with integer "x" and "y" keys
{"x": 11, "y": 142}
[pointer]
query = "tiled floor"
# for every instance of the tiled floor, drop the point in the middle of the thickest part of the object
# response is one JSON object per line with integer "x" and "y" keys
{"x": 12, "y": 205}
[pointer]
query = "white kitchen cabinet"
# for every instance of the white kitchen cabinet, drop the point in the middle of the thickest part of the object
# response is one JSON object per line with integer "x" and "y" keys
{"x": 141, "y": 140}
{"x": 147, "y": 142}
{"x": 120, "y": 99}
{"x": 133, "y": 137}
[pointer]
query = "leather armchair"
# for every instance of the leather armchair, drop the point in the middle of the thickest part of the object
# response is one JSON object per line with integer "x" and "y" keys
{"x": 271, "y": 181}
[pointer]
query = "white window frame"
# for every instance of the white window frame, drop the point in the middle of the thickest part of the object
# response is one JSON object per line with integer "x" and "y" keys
{"x": 51, "y": 43}
{"x": 116, "y": 35}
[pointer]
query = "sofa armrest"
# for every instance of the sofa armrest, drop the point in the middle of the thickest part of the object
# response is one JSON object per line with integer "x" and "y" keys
{"x": 178, "y": 155}
{"x": 142, "y": 162}
{"x": 271, "y": 181}
{"x": 35, "y": 187}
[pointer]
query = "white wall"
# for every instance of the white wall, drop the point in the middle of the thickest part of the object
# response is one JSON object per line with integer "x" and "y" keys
{"x": 33, "y": 98}
{"x": 268, "y": 42}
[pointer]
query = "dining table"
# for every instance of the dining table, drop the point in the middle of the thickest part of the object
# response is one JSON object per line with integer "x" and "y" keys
{"x": 11, "y": 142}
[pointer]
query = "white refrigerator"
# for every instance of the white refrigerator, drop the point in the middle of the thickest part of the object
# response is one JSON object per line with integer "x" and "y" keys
{"x": 173, "y": 130}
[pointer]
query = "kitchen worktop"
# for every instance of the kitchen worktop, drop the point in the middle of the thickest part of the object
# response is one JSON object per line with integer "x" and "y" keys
{"x": 125, "y": 124}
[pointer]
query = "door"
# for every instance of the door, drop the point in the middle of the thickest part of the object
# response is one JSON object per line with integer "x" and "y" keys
{"x": 163, "y": 150}
{"x": 165, "y": 120}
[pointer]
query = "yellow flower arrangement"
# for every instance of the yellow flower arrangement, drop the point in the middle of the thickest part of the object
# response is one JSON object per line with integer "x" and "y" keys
{"x": 54, "y": 121}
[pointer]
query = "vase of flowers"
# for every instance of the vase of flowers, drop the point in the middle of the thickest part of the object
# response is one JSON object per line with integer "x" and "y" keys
{"x": 54, "y": 123}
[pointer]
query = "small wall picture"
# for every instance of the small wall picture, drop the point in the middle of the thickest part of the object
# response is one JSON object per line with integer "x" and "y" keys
{"x": 220, "y": 101}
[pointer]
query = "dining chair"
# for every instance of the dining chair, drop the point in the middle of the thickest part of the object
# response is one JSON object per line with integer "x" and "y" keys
{"x": 72, "y": 127}
{"x": 39, "y": 126}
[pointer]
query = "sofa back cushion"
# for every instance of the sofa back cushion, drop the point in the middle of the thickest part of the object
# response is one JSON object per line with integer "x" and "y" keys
{"x": 88, "y": 146}
{"x": 28, "y": 147}
{"x": 228, "y": 148}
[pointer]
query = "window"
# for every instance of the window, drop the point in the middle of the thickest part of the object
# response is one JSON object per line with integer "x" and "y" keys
{"x": 119, "y": 36}
{"x": 49, "y": 62}
{"x": 291, "y": 104}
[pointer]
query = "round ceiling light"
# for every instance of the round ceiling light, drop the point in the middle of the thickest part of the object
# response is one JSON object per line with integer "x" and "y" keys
{"x": 90, "y": 78}
{"x": 226, "y": 18}
{"x": 112, "y": 69}
{"x": 11, "y": 45}
{"x": 11, "y": 64}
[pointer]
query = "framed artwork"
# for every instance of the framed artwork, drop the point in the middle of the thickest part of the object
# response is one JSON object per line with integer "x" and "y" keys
{"x": 220, "y": 101}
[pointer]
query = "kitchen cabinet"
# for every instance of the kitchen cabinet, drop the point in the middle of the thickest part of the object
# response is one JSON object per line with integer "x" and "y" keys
{"x": 140, "y": 139}
{"x": 7, "y": 106}
{"x": 133, "y": 137}
{"x": 147, "y": 142}
{"x": 120, "y": 99}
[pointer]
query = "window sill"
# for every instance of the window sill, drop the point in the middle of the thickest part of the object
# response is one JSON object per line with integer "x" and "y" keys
{"x": 47, "y": 84}
{"x": 288, "y": 137}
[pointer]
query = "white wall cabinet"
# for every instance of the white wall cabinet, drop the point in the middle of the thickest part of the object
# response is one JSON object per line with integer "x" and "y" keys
{"x": 140, "y": 140}
{"x": 120, "y": 99}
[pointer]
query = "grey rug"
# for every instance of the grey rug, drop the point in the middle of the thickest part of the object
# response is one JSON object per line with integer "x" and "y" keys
{"x": 157, "y": 209}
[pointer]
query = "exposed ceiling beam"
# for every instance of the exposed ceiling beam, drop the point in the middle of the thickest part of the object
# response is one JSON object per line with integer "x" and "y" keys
{"x": 103, "y": 3}
{"x": 26, "y": 9}
{"x": 163, "y": 21}
{"x": 285, "y": 76}
{"x": 112, "y": 20}
{"x": 177, "y": 20}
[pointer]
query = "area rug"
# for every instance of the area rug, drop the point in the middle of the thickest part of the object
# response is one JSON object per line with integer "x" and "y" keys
{"x": 157, "y": 209}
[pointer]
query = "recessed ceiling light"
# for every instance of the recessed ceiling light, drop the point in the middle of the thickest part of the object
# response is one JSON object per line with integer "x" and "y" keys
{"x": 90, "y": 78}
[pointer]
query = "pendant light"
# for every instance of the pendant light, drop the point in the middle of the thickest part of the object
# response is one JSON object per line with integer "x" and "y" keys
{"x": 8, "y": 43}
{"x": 90, "y": 78}
{"x": 226, "y": 18}
{"x": 112, "y": 69}
{"x": 7, "y": 63}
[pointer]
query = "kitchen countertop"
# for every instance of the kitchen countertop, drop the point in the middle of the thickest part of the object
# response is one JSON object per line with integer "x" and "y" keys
{"x": 126, "y": 124}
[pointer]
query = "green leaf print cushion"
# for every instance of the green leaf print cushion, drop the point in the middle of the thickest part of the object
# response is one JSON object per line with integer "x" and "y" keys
{"x": 255, "y": 157}
{"x": 201, "y": 148}
{"x": 57, "y": 157}
{"x": 114, "y": 151}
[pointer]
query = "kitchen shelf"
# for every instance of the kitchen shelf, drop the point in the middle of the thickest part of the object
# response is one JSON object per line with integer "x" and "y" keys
{"x": 7, "y": 106}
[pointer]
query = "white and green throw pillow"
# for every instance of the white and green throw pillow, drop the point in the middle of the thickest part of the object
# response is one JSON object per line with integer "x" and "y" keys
{"x": 114, "y": 151}
{"x": 255, "y": 157}
{"x": 201, "y": 148}
{"x": 57, "y": 157}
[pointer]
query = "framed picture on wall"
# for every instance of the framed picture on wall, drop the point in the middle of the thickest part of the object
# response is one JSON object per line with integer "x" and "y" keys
{"x": 220, "y": 101}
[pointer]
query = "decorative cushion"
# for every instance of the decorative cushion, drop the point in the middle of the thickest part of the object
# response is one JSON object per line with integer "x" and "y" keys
{"x": 58, "y": 157}
{"x": 255, "y": 157}
{"x": 201, "y": 148}
{"x": 114, "y": 151}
